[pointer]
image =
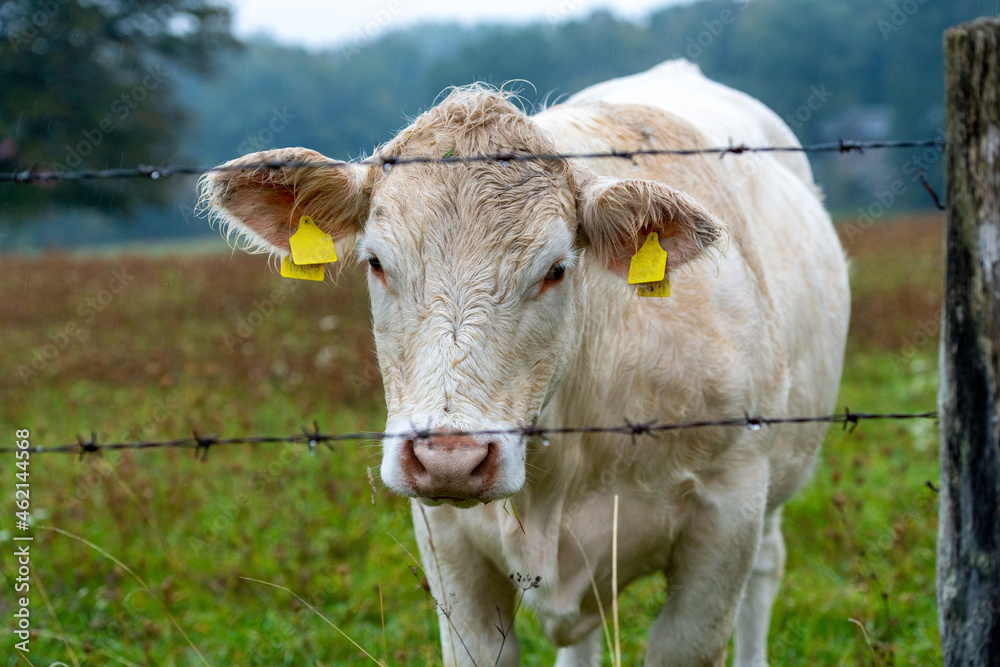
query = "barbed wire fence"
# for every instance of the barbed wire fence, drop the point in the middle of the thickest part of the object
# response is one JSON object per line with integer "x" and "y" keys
{"x": 36, "y": 175}
{"x": 313, "y": 437}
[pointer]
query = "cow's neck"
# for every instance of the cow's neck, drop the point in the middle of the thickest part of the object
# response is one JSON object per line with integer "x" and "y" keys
{"x": 607, "y": 382}
{"x": 565, "y": 507}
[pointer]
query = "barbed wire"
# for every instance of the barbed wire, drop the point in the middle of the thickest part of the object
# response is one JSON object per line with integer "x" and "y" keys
{"x": 313, "y": 437}
{"x": 33, "y": 175}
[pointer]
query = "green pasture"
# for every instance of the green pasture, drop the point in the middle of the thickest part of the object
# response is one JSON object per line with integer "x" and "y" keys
{"x": 149, "y": 557}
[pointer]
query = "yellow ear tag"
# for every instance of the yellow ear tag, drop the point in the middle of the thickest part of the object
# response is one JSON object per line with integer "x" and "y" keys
{"x": 649, "y": 268}
{"x": 302, "y": 272}
{"x": 311, "y": 245}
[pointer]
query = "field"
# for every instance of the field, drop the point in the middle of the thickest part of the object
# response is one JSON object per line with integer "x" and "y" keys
{"x": 148, "y": 557}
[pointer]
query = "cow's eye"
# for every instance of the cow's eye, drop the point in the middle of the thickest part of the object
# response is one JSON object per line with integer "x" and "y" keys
{"x": 375, "y": 264}
{"x": 556, "y": 273}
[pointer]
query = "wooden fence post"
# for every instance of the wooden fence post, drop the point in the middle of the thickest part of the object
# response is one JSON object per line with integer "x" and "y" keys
{"x": 968, "y": 570}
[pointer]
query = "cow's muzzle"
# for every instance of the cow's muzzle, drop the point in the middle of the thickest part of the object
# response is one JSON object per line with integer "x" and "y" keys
{"x": 450, "y": 468}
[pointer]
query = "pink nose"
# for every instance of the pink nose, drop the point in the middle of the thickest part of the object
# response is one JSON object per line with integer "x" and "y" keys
{"x": 450, "y": 467}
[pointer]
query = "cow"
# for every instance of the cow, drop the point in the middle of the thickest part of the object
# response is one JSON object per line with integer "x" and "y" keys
{"x": 501, "y": 303}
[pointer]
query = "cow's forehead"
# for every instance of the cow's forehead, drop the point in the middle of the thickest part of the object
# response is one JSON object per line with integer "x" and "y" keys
{"x": 487, "y": 201}
{"x": 458, "y": 222}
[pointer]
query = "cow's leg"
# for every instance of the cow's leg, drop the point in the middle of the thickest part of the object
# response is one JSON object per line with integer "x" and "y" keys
{"x": 754, "y": 616}
{"x": 709, "y": 565}
{"x": 585, "y": 653}
{"x": 473, "y": 598}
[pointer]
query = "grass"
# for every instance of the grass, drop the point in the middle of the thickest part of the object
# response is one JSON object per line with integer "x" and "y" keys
{"x": 151, "y": 557}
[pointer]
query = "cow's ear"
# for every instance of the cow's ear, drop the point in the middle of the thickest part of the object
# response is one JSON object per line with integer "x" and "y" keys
{"x": 262, "y": 206}
{"x": 618, "y": 214}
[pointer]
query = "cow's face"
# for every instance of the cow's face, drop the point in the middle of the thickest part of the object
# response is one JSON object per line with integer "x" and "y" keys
{"x": 472, "y": 272}
{"x": 475, "y": 273}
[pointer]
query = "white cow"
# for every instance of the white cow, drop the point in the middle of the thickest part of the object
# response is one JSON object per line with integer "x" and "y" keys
{"x": 500, "y": 300}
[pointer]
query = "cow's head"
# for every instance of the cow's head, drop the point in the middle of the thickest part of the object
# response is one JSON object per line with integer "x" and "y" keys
{"x": 475, "y": 272}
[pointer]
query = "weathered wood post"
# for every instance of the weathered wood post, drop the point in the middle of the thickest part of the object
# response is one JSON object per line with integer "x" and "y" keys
{"x": 968, "y": 574}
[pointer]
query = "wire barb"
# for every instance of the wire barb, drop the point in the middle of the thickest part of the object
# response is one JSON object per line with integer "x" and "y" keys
{"x": 314, "y": 437}
{"x": 201, "y": 446}
{"x": 849, "y": 147}
{"x": 641, "y": 428}
{"x": 87, "y": 446}
{"x": 850, "y": 420}
{"x": 930, "y": 190}
{"x": 754, "y": 423}
{"x": 734, "y": 149}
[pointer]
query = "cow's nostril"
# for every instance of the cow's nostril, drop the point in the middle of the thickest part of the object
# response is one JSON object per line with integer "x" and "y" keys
{"x": 411, "y": 462}
{"x": 487, "y": 463}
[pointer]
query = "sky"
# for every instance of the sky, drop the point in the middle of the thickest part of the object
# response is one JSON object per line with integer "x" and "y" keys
{"x": 316, "y": 24}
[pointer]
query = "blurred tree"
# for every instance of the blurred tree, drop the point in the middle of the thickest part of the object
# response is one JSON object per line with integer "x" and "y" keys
{"x": 90, "y": 83}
